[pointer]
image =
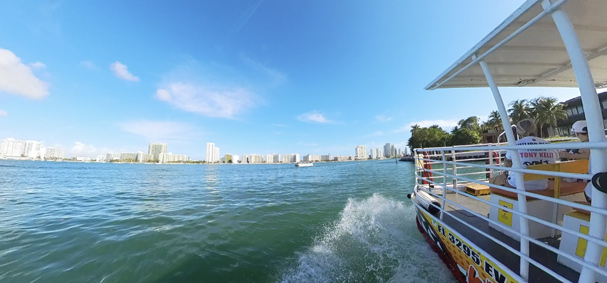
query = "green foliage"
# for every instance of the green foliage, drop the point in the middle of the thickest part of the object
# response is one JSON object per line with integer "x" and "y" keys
{"x": 520, "y": 110}
{"x": 428, "y": 137}
{"x": 547, "y": 111}
{"x": 464, "y": 136}
{"x": 471, "y": 123}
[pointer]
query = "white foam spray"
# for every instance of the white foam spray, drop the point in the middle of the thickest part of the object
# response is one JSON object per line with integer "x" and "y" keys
{"x": 375, "y": 240}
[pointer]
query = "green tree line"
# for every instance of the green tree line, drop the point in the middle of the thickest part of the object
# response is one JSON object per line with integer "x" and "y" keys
{"x": 546, "y": 111}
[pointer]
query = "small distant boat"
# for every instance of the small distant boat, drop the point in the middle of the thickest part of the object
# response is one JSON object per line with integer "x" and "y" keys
{"x": 304, "y": 164}
{"x": 406, "y": 158}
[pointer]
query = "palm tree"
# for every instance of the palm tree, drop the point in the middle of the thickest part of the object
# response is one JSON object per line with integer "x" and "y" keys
{"x": 469, "y": 123}
{"x": 547, "y": 111}
{"x": 495, "y": 120}
{"x": 519, "y": 111}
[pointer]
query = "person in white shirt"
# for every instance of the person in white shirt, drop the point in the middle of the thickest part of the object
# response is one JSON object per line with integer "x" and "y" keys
{"x": 580, "y": 129}
{"x": 526, "y": 128}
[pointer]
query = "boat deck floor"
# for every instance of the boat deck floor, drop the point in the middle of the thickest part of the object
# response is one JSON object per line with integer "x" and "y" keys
{"x": 509, "y": 259}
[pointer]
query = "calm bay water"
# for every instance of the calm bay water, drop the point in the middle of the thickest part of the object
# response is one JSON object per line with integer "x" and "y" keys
{"x": 333, "y": 222}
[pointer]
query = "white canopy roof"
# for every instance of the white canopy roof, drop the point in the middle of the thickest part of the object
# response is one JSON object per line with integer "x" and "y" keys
{"x": 536, "y": 56}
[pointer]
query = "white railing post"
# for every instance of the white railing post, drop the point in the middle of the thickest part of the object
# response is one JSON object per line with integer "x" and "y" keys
{"x": 444, "y": 183}
{"x": 490, "y": 156}
{"x": 516, "y": 163}
{"x": 454, "y": 169}
{"x": 594, "y": 118}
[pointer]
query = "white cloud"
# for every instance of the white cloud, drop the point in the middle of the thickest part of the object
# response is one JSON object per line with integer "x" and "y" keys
{"x": 88, "y": 65}
{"x": 121, "y": 71}
{"x": 37, "y": 66}
{"x": 313, "y": 117}
{"x": 428, "y": 123}
{"x": 81, "y": 149}
{"x": 17, "y": 78}
{"x": 163, "y": 95}
{"x": 158, "y": 130}
{"x": 221, "y": 103}
{"x": 382, "y": 118}
{"x": 3, "y": 113}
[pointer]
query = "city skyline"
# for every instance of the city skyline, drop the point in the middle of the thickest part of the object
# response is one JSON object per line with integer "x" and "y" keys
{"x": 158, "y": 152}
{"x": 266, "y": 77}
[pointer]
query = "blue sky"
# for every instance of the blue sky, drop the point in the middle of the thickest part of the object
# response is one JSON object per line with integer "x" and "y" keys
{"x": 308, "y": 77}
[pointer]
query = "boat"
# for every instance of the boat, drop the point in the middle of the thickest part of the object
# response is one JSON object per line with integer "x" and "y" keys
{"x": 406, "y": 158}
{"x": 487, "y": 231}
{"x": 304, "y": 164}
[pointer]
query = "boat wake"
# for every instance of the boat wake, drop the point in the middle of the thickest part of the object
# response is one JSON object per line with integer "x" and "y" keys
{"x": 375, "y": 240}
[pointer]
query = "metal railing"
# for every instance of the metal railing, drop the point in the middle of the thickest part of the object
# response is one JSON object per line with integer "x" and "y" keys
{"x": 466, "y": 167}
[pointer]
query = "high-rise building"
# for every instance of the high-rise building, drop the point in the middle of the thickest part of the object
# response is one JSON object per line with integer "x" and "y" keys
{"x": 373, "y": 153}
{"x": 210, "y": 154}
{"x": 387, "y": 150}
{"x": 155, "y": 149}
{"x": 216, "y": 154}
{"x": 361, "y": 152}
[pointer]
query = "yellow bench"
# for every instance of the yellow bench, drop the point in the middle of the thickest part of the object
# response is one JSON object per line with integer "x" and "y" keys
{"x": 556, "y": 188}
{"x": 545, "y": 210}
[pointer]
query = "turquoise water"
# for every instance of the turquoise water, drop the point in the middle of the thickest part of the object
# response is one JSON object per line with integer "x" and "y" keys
{"x": 333, "y": 222}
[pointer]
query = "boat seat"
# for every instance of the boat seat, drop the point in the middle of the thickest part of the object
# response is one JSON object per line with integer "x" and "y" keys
{"x": 556, "y": 187}
{"x": 506, "y": 222}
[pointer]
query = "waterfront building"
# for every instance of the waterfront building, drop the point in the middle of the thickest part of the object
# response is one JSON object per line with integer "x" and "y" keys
{"x": 112, "y": 157}
{"x": 228, "y": 158}
{"x": 155, "y": 149}
{"x": 290, "y": 158}
{"x": 269, "y": 158}
{"x": 235, "y": 158}
{"x": 387, "y": 150}
{"x": 245, "y": 159}
{"x": 11, "y": 147}
{"x": 575, "y": 112}
{"x": 172, "y": 158}
{"x": 212, "y": 153}
{"x": 361, "y": 152}
{"x": 51, "y": 153}
{"x": 100, "y": 158}
{"x": 373, "y": 153}
{"x": 255, "y": 158}
{"x": 144, "y": 158}
{"x": 128, "y": 157}
{"x": 32, "y": 149}
{"x": 312, "y": 158}
{"x": 327, "y": 157}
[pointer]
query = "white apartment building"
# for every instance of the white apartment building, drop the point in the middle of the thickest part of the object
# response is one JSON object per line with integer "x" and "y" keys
{"x": 361, "y": 152}
{"x": 112, "y": 156}
{"x": 143, "y": 157}
{"x": 169, "y": 157}
{"x": 155, "y": 149}
{"x": 269, "y": 158}
{"x": 312, "y": 158}
{"x": 373, "y": 153}
{"x": 290, "y": 158}
{"x": 11, "y": 147}
{"x": 212, "y": 153}
{"x": 387, "y": 150}
{"x": 128, "y": 157}
{"x": 255, "y": 158}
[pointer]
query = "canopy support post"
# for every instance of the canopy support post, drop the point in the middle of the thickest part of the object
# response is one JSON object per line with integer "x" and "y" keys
{"x": 594, "y": 118}
{"x": 516, "y": 163}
